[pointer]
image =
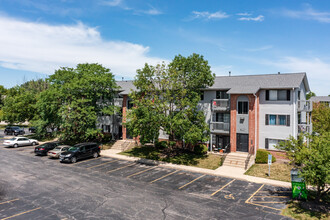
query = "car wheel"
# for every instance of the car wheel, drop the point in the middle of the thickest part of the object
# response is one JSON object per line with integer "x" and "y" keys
{"x": 95, "y": 154}
{"x": 15, "y": 134}
{"x": 15, "y": 145}
{"x": 33, "y": 143}
{"x": 73, "y": 160}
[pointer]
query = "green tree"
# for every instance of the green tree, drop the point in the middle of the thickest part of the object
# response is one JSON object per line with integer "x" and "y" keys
{"x": 321, "y": 118}
{"x": 312, "y": 158}
{"x": 167, "y": 97}
{"x": 80, "y": 95}
{"x": 309, "y": 95}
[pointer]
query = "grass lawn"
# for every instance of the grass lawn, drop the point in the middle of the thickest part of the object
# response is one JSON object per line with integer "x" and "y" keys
{"x": 294, "y": 210}
{"x": 210, "y": 161}
{"x": 278, "y": 171}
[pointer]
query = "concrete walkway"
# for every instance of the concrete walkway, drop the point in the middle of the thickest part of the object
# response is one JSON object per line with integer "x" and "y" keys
{"x": 225, "y": 171}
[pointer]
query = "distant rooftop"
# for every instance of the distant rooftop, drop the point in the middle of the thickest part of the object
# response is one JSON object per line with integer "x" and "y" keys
{"x": 320, "y": 99}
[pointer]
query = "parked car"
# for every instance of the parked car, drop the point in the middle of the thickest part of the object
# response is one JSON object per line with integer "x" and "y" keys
{"x": 55, "y": 153}
{"x": 42, "y": 150}
{"x": 20, "y": 141}
{"x": 14, "y": 130}
{"x": 32, "y": 129}
{"x": 80, "y": 151}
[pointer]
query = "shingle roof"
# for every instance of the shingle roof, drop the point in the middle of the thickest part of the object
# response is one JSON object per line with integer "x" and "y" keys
{"x": 247, "y": 84}
{"x": 125, "y": 87}
{"x": 244, "y": 84}
{"x": 320, "y": 99}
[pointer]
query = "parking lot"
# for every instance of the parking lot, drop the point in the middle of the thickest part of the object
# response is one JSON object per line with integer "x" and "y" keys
{"x": 219, "y": 191}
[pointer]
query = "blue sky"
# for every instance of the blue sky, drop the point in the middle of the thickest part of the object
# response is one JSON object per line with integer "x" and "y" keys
{"x": 244, "y": 37}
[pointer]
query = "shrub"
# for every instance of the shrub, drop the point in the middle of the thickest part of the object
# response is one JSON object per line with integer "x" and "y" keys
{"x": 161, "y": 144}
{"x": 262, "y": 156}
{"x": 200, "y": 149}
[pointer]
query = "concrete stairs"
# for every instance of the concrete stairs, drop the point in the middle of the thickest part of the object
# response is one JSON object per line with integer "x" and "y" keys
{"x": 123, "y": 145}
{"x": 239, "y": 159}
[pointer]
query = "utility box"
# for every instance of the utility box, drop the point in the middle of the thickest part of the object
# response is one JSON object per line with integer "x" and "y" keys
{"x": 298, "y": 185}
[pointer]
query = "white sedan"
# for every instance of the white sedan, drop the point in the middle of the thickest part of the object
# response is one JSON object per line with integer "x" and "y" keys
{"x": 20, "y": 141}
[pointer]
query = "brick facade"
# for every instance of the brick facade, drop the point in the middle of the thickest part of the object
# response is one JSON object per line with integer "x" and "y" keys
{"x": 253, "y": 103}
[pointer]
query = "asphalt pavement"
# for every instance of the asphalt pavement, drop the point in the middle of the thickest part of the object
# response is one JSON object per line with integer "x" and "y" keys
{"x": 35, "y": 187}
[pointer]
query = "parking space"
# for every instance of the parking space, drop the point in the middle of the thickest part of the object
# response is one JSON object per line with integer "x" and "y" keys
{"x": 266, "y": 198}
{"x": 18, "y": 209}
{"x": 270, "y": 197}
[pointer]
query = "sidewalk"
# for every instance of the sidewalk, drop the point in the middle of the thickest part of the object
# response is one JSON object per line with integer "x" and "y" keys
{"x": 225, "y": 171}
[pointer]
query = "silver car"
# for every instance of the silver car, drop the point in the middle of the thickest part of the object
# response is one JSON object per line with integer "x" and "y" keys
{"x": 55, "y": 153}
{"x": 20, "y": 141}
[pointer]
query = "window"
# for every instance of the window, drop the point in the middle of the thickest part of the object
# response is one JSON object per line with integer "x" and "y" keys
{"x": 272, "y": 119}
{"x": 277, "y": 120}
{"x": 282, "y": 119}
{"x": 278, "y": 95}
{"x": 221, "y": 117}
{"x": 270, "y": 144}
{"x": 299, "y": 95}
{"x": 222, "y": 95}
{"x": 243, "y": 107}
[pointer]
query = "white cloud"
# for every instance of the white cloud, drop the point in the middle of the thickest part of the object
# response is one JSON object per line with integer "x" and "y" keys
{"x": 208, "y": 16}
{"x": 244, "y": 14}
{"x": 258, "y": 18}
{"x": 112, "y": 3}
{"x": 308, "y": 14}
{"x": 318, "y": 71}
{"x": 267, "y": 47}
{"x": 42, "y": 48}
{"x": 151, "y": 11}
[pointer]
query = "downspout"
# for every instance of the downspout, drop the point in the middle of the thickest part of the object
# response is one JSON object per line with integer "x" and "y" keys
{"x": 255, "y": 124}
{"x": 294, "y": 114}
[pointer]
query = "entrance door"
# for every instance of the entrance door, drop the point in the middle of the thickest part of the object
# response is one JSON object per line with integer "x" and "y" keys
{"x": 243, "y": 142}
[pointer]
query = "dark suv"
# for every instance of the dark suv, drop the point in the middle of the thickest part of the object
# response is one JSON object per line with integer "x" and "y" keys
{"x": 43, "y": 149}
{"x": 14, "y": 130}
{"x": 80, "y": 151}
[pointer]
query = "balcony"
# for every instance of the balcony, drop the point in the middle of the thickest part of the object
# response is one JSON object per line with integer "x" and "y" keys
{"x": 220, "y": 105}
{"x": 304, "y": 128}
{"x": 305, "y": 106}
{"x": 220, "y": 127}
{"x": 118, "y": 102}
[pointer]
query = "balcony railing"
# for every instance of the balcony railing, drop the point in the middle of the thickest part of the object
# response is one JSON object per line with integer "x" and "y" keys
{"x": 220, "y": 127}
{"x": 305, "y": 106}
{"x": 304, "y": 128}
{"x": 220, "y": 105}
{"x": 118, "y": 102}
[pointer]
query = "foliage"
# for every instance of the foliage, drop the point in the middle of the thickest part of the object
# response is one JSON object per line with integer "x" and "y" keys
{"x": 161, "y": 144}
{"x": 3, "y": 92}
{"x": 19, "y": 104}
{"x": 75, "y": 98}
{"x": 188, "y": 158}
{"x": 262, "y": 156}
{"x": 309, "y": 95}
{"x": 312, "y": 158}
{"x": 200, "y": 149}
{"x": 321, "y": 118}
{"x": 167, "y": 99}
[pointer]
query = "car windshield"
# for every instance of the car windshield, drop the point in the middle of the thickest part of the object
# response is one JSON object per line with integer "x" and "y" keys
{"x": 12, "y": 139}
{"x": 73, "y": 148}
{"x": 57, "y": 148}
{"x": 15, "y": 127}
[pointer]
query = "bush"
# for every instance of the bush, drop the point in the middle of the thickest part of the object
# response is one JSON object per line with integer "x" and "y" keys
{"x": 161, "y": 144}
{"x": 262, "y": 156}
{"x": 200, "y": 149}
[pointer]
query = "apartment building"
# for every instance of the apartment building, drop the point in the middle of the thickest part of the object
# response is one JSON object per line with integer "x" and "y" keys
{"x": 245, "y": 112}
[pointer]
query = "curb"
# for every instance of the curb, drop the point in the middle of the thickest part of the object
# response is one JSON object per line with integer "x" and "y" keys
{"x": 197, "y": 170}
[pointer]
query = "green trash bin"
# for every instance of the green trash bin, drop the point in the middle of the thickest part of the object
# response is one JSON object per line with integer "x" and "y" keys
{"x": 298, "y": 185}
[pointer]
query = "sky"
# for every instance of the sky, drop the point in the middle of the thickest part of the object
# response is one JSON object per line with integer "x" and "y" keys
{"x": 38, "y": 37}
